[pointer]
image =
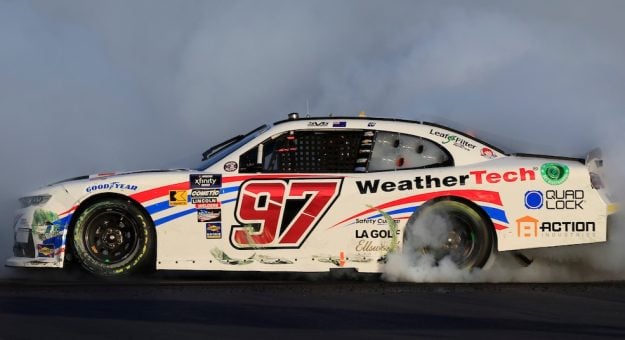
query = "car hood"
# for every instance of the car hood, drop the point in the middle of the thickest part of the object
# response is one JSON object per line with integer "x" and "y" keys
{"x": 110, "y": 174}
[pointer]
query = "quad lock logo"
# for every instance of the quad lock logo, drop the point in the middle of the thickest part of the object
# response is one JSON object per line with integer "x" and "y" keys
{"x": 555, "y": 200}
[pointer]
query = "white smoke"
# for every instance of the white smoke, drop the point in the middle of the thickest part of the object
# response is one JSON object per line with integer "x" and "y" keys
{"x": 576, "y": 263}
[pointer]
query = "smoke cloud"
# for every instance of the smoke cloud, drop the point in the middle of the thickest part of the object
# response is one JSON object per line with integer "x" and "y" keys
{"x": 117, "y": 85}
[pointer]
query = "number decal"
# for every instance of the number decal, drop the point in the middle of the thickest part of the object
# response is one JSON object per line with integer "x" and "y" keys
{"x": 281, "y": 213}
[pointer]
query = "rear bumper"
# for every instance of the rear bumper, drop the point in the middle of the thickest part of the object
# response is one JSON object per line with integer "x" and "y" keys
{"x": 613, "y": 209}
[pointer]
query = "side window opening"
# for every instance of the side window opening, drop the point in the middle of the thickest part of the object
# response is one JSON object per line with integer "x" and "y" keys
{"x": 395, "y": 151}
{"x": 311, "y": 152}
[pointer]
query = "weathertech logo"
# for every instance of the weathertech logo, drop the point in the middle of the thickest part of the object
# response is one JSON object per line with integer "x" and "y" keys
{"x": 527, "y": 227}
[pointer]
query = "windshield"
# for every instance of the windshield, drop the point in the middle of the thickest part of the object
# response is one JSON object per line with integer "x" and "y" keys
{"x": 221, "y": 150}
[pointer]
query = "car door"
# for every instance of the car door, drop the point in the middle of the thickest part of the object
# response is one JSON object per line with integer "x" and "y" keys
{"x": 305, "y": 186}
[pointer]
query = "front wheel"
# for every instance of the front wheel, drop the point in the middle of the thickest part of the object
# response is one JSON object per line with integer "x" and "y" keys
{"x": 114, "y": 238}
{"x": 450, "y": 228}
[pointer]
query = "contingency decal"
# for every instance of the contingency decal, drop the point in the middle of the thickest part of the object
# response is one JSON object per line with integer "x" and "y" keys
{"x": 281, "y": 213}
{"x": 205, "y": 190}
{"x": 209, "y": 215}
{"x": 213, "y": 230}
{"x": 45, "y": 250}
{"x": 177, "y": 198}
{"x": 47, "y": 230}
{"x": 231, "y": 166}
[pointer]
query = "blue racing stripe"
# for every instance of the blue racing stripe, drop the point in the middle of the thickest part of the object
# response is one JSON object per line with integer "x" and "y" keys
{"x": 228, "y": 201}
{"x": 63, "y": 221}
{"x": 228, "y": 190}
{"x": 161, "y": 206}
{"x": 157, "y": 207}
{"x": 173, "y": 217}
{"x": 496, "y": 214}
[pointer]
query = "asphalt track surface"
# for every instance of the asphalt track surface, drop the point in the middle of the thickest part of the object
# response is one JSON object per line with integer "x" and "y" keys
{"x": 209, "y": 307}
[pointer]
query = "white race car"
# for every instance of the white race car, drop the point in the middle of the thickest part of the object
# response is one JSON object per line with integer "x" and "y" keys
{"x": 312, "y": 194}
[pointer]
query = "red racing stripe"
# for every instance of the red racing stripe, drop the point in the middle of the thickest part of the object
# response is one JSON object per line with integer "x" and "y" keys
{"x": 69, "y": 211}
{"x": 499, "y": 226}
{"x": 473, "y": 195}
{"x": 158, "y": 192}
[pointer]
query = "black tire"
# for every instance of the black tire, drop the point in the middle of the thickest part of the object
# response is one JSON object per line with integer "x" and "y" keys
{"x": 114, "y": 238}
{"x": 453, "y": 228}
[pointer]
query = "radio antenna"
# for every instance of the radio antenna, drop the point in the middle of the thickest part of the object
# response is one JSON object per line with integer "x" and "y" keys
{"x": 307, "y": 108}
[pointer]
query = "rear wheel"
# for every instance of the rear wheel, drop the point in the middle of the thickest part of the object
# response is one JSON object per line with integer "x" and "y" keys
{"x": 114, "y": 238}
{"x": 450, "y": 228}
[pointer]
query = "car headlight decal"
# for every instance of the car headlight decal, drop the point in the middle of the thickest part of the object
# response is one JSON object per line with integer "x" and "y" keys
{"x": 34, "y": 200}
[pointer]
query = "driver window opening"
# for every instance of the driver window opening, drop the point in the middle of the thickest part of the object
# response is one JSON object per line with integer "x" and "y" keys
{"x": 395, "y": 151}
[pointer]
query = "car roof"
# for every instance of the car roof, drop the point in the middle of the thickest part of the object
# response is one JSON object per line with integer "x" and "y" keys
{"x": 391, "y": 120}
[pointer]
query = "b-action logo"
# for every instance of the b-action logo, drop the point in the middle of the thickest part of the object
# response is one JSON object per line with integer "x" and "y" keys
{"x": 567, "y": 226}
{"x": 528, "y": 226}
{"x": 429, "y": 181}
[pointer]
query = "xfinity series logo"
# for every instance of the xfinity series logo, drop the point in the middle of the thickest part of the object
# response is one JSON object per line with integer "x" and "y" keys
{"x": 200, "y": 181}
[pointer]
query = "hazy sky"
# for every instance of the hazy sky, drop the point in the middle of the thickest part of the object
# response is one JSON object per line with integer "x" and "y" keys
{"x": 90, "y": 86}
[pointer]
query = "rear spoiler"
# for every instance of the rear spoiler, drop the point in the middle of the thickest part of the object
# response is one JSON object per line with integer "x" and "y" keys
{"x": 594, "y": 159}
{"x": 533, "y": 155}
{"x": 594, "y": 163}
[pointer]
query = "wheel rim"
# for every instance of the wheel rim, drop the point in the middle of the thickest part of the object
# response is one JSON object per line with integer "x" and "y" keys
{"x": 459, "y": 240}
{"x": 111, "y": 236}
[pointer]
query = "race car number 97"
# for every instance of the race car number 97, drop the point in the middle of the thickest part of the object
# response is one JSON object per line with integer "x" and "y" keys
{"x": 281, "y": 213}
